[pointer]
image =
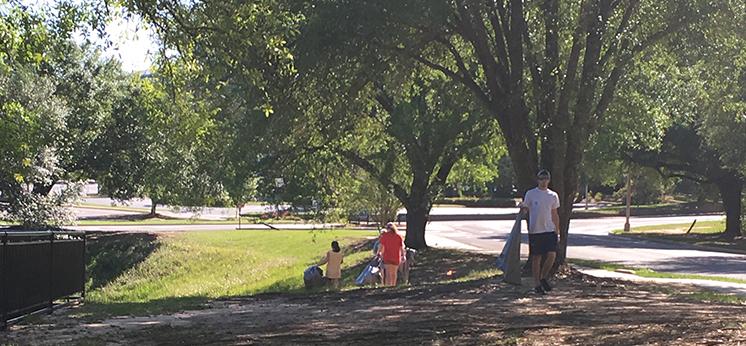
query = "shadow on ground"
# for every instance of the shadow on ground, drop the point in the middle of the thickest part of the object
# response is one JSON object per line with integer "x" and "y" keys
{"x": 110, "y": 254}
{"x": 580, "y": 311}
{"x": 144, "y": 216}
{"x": 95, "y": 311}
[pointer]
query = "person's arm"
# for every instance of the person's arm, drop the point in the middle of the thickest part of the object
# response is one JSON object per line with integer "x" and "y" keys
{"x": 524, "y": 205}
{"x": 380, "y": 250}
{"x": 325, "y": 259}
{"x": 555, "y": 215}
{"x": 556, "y": 220}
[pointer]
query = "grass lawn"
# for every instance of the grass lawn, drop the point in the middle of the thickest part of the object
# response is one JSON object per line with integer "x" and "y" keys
{"x": 668, "y": 208}
{"x": 705, "y": 233}
{"x": 141, "y": 273}
{"x": 175, "y": 269}
{"x": 701, "y": 227}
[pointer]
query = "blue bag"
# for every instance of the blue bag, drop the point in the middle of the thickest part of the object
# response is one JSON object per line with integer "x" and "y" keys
{"x": 510, "y": 257}
{"x": 372, "y": 269}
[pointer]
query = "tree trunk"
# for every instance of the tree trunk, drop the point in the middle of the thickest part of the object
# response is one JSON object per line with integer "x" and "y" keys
{"x": 730, "y": 191}
{"x": 153, "y": 205}
{"x": 416, "y": 221}
{"x": 565, "y": 213}
{"x": 525, "y": 168}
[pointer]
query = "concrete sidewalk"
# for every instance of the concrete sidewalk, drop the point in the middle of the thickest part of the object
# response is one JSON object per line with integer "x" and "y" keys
{"x": 717, "y": 286}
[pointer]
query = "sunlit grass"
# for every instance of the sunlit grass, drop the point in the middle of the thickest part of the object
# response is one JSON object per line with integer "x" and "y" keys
{"x": 701, "y": 227}
{"x": 706, "y": 233}
{"x": 225, "y": 263}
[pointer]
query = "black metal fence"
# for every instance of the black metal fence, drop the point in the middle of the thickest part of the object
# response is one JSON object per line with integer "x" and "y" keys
{"x": 39, "y": 268}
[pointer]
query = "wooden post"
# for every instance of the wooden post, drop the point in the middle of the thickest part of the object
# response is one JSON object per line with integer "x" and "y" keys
{"x": 51, "y": 271}
{"x": 238, "y": 212}
{"x": 4, "y": 283}
{"x": 85, "y": 258}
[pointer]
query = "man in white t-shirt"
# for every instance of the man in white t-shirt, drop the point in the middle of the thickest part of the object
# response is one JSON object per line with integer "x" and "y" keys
{"x": 541, "y": 203}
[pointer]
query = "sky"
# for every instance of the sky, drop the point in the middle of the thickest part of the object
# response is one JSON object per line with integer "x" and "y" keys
{"x": 132, "y": 42}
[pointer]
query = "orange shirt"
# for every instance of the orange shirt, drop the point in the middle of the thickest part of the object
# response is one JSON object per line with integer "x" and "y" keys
{"x": 392, "y": 244}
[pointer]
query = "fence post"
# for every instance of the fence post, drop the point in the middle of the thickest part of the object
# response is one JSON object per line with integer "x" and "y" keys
{"x": 85, "y": 258}
{"x": 51, "y": 271}
{"x": 4, "y": 300}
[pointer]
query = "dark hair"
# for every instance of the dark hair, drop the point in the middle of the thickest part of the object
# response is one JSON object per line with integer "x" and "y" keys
{"x": 335, "y": 246}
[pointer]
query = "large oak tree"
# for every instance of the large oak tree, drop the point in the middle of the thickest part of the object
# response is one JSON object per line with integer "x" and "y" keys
{"x": 547, "y": 71}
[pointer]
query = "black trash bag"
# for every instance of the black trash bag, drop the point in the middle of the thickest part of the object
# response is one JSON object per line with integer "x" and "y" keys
{"x": 313, "y": 277}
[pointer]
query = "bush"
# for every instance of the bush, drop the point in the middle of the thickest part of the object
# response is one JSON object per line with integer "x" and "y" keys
{"x": 36, "y": 211}
{"x": 368, "y": 197}
{"x": 648, "y": 187}
{"x": 598, "y": 197}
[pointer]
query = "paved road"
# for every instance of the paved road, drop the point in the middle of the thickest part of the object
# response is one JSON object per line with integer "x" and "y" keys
{"x": 143, "y": 204}
{"x": 589, "y": 239}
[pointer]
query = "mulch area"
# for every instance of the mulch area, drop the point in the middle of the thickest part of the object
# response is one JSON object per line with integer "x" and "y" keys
{"x": 582, "y": 310}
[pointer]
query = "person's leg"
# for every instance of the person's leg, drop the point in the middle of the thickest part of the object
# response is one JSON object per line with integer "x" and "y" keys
{"x": 548, "y": 264}
{"x": 390, "y": 272}
{"x": 386, "y": 275}
{"x": 395, "y": 272}
{"x": 536, "y": 269}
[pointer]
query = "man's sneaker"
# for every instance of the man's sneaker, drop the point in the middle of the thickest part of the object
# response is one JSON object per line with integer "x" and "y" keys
{"x": 545, "y": 285}
{"x": 540, "y": 290}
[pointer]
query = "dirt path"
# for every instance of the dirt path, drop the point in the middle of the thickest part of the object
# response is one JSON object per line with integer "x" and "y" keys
{"x": 582, "y": 310}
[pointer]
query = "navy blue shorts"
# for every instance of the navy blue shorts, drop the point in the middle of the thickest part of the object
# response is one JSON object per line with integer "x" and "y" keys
{"x": 541, "y": 243}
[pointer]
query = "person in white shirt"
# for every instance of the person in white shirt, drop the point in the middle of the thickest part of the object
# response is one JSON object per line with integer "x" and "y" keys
{"x": 541, "y": 203}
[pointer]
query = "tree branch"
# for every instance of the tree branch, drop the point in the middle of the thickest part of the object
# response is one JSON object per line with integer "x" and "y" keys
{"x": 369, "y": 167}
{"x": 623, "y": 25}
{"x": 469, "y": 82}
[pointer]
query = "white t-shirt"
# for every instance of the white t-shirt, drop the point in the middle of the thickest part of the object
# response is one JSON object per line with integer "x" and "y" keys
{"x": 540, "y": 204}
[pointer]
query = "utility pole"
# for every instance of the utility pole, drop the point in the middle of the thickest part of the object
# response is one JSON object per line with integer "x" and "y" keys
{"x": 629, "y": 200}
{"x": 238, "y": 215}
